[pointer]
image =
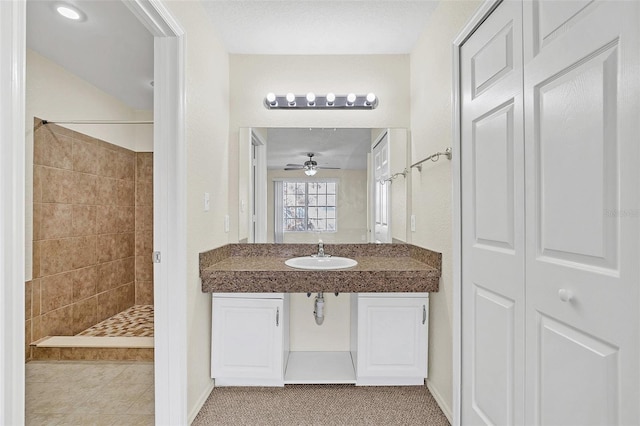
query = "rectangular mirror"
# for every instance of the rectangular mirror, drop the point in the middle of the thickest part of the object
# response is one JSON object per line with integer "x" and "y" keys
{"x": 341, "y": 185}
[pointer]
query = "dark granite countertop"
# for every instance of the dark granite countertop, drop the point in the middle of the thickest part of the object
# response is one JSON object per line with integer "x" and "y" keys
{"x": 260, "y": 268}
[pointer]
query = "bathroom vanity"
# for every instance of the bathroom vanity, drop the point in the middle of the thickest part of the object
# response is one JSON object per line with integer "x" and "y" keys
{"x": 389, "y": 297}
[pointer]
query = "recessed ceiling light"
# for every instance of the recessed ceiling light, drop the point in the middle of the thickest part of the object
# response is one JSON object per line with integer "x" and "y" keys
{"x": 69, "y": 12}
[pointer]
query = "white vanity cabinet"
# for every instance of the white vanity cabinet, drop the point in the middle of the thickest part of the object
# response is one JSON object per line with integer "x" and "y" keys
{"x": 392, "y": 338}
{"x": 249, "y": 339}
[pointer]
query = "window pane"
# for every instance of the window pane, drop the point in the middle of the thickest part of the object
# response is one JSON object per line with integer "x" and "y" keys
{"x": 300, "y": 212}
{"x": 331, "y": 224}
{"x": 331, "y": 212}
{"x": 322, "y": 187}
{"x": 331, "y": 188}
{"x": 290, "y": 187}
{"x": 322, "y": 200}
{"x": 331, "y": 200}
{"x": 300, "y": 188}
{"x": 313, "y": 200}
{"x": 290, "y": 200}
{"x": 312, "y": 212}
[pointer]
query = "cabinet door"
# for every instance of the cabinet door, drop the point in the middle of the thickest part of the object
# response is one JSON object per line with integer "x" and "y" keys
{"x": 247, "y": 341}
{"x": 392, "y": 341}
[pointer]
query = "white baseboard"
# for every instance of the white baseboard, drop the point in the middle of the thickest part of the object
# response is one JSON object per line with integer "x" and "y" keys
{"x": 440, "y": 401}
{"x": 200, "y": 403}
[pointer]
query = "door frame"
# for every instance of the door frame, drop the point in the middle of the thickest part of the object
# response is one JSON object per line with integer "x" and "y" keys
{"x": 470, "y": 27}
{"x": 169, "y": 210}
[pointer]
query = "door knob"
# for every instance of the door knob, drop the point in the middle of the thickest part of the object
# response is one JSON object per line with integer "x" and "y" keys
{"x": 565, "y": 295}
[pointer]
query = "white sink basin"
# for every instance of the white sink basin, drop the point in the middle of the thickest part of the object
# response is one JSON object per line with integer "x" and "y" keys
{"x": 320, "y": 263}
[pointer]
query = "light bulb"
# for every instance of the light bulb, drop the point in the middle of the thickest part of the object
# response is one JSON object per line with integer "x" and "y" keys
{"x": 291, "y": 99}
{"x": 310, "y": 171}
{"x": 351, "y": 98}
{"x": 271, "y": 99}
{"x": 331, "y": 98}
{"x": 371, "y": 98}
{"x": 311, "y": 99}
{"x": 69, "y": 12}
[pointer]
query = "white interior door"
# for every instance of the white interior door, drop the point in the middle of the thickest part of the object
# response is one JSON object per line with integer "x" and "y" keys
{"x": 582, "y": 96}
{"x": 492, "y": 200}
{"x": 382, "y": 193}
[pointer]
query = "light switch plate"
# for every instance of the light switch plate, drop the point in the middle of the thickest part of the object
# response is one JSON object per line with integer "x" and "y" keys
{"x": 207, "y": 201}
{"x": 226, "y": 223}
{"x": 413, "y": 223}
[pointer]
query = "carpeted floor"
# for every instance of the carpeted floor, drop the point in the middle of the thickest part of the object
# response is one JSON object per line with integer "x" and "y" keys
{"x": 321, "y": 405}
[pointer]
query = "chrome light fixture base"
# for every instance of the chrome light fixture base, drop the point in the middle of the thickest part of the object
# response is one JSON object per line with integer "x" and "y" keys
{"x": 330, "y": 101}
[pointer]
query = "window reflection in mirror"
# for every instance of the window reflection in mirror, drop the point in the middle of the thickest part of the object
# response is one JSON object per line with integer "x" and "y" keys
{"x": 300, "y": 185}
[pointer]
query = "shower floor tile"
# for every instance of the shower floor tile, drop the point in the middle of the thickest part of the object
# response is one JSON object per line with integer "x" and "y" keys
{"x": 137, "y": 321}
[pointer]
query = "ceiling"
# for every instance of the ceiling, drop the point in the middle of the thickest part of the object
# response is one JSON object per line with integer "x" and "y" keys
{"x": 113, "y": 51}
{"x": 342, "y": 148}
{"x": 110, "y": 48}
{"x": 320, "y": 27}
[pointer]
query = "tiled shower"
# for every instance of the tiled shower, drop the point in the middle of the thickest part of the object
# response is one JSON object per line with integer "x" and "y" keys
{"x": 92, "y": 233}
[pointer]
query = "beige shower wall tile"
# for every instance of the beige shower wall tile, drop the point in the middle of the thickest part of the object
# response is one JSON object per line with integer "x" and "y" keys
{"x": 83, "y": 220}
{"x": 57, "y": 185}
{"x": 126, "y": 296}
{"x": 127, "y": 270}
{"x": 37, "y": 184}
{"x": 37, "y": 221}
{"x": 144, "y": 166}
{"x": 115, "y": 246}
{"x": 35, "y": 260}
{"x": 126, "y": 165}
{"x": 36, "y": 329}
{"x": 106, "y": 191}
{"x": 107, "y": 219}
{"x": 126, "y": 193}
{"x": 52, "y": 149}
{"x": 84, "y": 251}
{"x": 144, "y": 193}
{"x": 144, "y": 218}
{"x": 144, "y": 292}
{"x": 84, "y": 188}
{"x": 144, "y": 268}
{"x": 57, "y": 291}
{"x": 85, "y": 283}
{"x": 28, "y": 295}
{"x": 107, "y": 276}
{"x": 36, "y": 291}
{"x": 144, "y": 243}
{"x": 85, "y": 156}
{"x": 55, "y": 221}
{"x": 85, "y": 314}
{"x": 27, "y": 340}
{"x": 126, "y": 219}
{"x": 114, "y": 274}
{"x": 108, "y": 163}
{"x": 56, "y": 256}
{"x": 58, "y": 322}
{"x": 107, "y": 304}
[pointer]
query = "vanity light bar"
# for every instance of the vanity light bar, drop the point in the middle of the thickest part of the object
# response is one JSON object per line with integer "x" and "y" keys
{"x": 312, "y": 101}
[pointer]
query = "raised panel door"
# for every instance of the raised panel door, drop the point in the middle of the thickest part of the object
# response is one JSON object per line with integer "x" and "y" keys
{"x": 583, "y": 197}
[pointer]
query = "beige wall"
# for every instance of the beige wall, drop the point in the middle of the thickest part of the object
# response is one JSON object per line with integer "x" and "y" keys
{"x": 53, "y": 93}
{"x": 207, "y": 139}
{"x": 431, "y": 123}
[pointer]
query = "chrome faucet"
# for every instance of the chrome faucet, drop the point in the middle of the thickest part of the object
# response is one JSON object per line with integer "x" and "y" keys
{"x": 321, "y": 249}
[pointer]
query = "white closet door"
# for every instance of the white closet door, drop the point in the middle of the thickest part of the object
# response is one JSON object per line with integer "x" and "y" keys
{"x": 582, "y": 97}
{"x": 492, "y": 180}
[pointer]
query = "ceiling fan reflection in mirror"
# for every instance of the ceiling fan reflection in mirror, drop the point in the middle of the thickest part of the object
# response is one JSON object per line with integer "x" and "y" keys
{"x": 310, "y": 166}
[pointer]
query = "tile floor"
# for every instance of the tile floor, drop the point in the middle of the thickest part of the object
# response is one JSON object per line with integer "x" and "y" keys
{"x": 89, "y": 393}
{"x": 137, "y": 321}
